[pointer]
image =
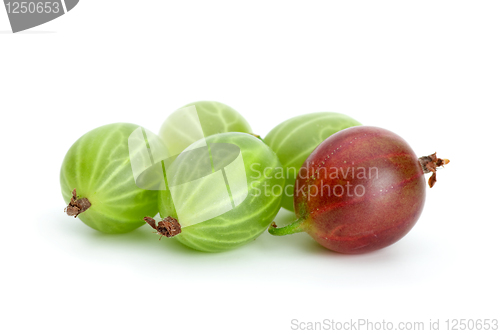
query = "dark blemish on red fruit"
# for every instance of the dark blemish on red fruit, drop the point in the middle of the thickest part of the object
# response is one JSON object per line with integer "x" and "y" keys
{"x": 77, "y": 205}
{"x": 168, "y": 227}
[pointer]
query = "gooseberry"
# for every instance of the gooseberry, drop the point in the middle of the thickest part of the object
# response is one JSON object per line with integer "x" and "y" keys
{"x": 197, "y": 120}
{"x": 295, "y": 139}
{"x": 222, "y": 193}
{"x": 360, "y": 190}
{"x": 98, "y": 183}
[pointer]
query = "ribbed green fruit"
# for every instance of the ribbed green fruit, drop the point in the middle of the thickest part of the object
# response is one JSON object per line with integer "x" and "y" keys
{"x": 295, "y": 139}
{"x": 98, "y": 167}
{"x": 181, "y": 129}
{"x": 243, "y": 184}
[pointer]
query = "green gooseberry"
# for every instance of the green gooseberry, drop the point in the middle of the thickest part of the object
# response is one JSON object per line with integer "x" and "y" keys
{"x": 98, "y": 182}
{"x": 222, "y": 193}
{"x": 183, "y": 127}
{"x": 295, "y": 139}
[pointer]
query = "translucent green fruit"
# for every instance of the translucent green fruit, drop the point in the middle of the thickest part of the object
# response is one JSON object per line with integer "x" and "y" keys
{"x": 295, "y": 139}
{"x": 98, "y": 167}
{"x": 223, "y": 191}
{"x": 183, "y": 127}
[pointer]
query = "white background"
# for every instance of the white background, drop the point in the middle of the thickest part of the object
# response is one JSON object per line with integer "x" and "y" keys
{"x": 427, "y": 70}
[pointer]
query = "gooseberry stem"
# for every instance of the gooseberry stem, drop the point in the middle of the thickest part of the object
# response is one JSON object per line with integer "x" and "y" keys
{"x": 295, "y": 227}
{"x": 77, "y": 205}
{"x": 168, "y": 227}
{"x": 429, "y": 164}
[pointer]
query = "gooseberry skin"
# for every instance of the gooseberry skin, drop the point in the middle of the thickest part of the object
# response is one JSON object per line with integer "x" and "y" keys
{"x": 296, "y": 138}
{"x": 382, "y": 214}
{"x": 98, "y": 166}
{"x": 246, "y": 221}
{"x": 214, "y": 117}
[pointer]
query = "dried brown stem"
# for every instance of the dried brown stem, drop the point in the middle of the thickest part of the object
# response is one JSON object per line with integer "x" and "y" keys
{"x": 168, "y": 227}
{"x": 429, "y": 164}
{"x": 77, "y": 205}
